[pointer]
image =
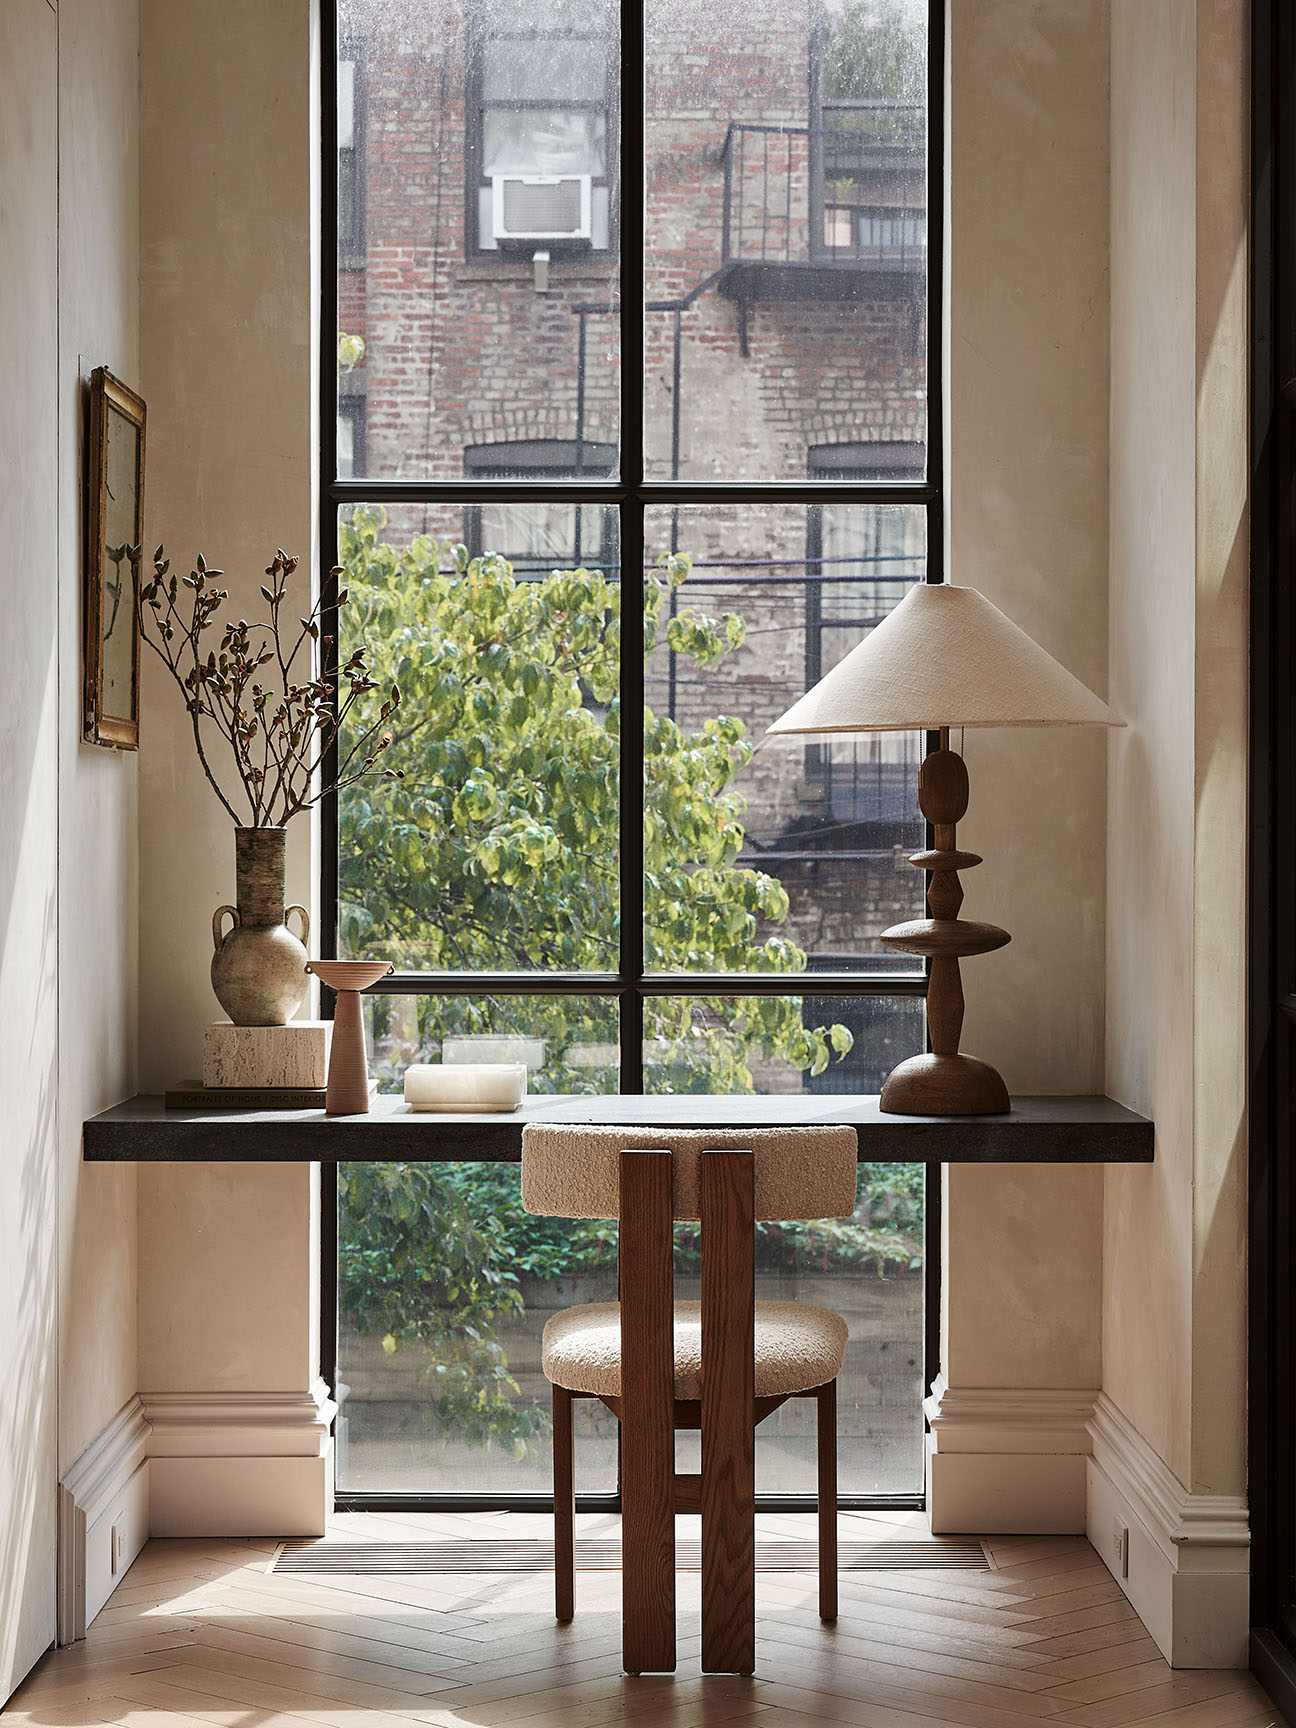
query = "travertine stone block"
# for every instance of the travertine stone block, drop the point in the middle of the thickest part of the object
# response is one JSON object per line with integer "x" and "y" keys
{"x": 292, "y": 1055}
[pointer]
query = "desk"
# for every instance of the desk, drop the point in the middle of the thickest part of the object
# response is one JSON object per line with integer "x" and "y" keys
{"x": 1037, "y": 1130}
{"x": 1052, "y": 1130}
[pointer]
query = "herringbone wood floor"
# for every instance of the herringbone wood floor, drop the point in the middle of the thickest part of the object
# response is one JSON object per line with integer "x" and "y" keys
{"x": 199, "y": 1632}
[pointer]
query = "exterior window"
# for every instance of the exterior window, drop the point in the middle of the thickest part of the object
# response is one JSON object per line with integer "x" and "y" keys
{"x": 603, "y": 515}
{"x": 869, "y": 136}
{"x": 539, "y": 161}
{"x": 860, "y": 565}
{"x": 350, "y": 168}
{"x": 350, "y": 436}
{"x": 539, "y": 537}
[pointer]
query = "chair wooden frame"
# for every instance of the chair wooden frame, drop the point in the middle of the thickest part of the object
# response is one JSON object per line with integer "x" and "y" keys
{"x": 652, "y": 1492}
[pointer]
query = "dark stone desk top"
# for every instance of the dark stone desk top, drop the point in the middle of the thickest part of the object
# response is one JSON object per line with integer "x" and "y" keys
{"x": 1061, "y": 1130}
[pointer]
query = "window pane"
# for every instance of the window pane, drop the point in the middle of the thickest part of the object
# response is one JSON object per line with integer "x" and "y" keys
{"x": 497, "y": 849}
{"x": 345, "y": 446}
{"x": 545, "y": 68}
{"x": 544, "y": 141}
{"x": 453, "y": 127}
{"x": 345, "y": 104}
{"x": 778, "y": 1045}
{"x": 798, "y": 859}
{"x": 537, "y": 538}
{"x": 444, "y": 1283}
{"x": 869, "y": 1270}
{"x": 446, "y": 1412}
{"x": 786, "y": 177}
{"x": 568, "y": 1043}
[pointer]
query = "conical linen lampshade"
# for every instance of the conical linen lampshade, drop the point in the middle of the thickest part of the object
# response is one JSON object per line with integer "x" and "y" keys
{"x": 944, "y": 658}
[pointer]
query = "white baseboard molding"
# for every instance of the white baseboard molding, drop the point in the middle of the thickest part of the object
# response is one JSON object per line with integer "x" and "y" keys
{"x": 240, "y": 1463}
{"x": 1007, "y": 1461}
{"x": 1189, "y": 1555}
{"x": 103, "y": 1518}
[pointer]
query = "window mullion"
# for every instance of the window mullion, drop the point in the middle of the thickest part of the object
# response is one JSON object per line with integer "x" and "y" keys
{"x": 629, "y": 224}
{"x": 630, "y": 851}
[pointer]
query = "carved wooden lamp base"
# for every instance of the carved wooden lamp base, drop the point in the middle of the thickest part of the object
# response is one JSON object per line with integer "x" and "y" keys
{"x": 935, "y": 1085}
{"x": 944, "y": 1083}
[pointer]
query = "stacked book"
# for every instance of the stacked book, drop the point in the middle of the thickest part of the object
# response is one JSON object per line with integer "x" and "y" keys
{"x": 259, "y": 1068}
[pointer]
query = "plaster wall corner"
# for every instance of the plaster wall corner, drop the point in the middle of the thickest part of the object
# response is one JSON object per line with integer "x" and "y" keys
{"x": 1175, "y": 1232}
{"x": 1027, "y": 424}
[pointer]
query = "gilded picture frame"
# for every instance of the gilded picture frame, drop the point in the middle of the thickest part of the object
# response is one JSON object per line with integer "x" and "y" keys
{"x": 115, "y": 535}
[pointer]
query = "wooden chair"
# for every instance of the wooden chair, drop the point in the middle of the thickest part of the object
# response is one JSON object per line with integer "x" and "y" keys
{"x": 722, "y": 1364}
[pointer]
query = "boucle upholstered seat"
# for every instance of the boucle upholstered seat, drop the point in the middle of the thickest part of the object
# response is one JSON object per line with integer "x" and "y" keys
{"x": 722, "y": 1364}
{"x": 798, "y": 1346}
{"x": 799, "y": 1172}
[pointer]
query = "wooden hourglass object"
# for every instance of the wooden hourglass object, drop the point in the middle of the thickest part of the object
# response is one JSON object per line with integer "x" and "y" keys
{"x": 944, "y": 1082}
{"x": 348, "y": 1073}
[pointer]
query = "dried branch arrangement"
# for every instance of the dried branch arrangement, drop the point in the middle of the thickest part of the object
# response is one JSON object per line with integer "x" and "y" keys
{"x": 244, "y": 698}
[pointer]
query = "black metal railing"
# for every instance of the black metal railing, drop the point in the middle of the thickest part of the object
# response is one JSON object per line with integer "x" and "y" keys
{"x": 851, "y": 192}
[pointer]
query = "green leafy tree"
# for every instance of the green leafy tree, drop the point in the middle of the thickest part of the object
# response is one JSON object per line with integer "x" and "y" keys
{"x": 875, "y": 49}
{"x": 419, "y": 1262}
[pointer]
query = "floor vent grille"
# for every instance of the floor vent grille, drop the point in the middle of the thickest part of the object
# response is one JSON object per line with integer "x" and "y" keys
{"x": 483, "y": 1555}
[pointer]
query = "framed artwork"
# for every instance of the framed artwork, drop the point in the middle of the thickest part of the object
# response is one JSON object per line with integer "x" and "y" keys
{"x": 116, "y": 533}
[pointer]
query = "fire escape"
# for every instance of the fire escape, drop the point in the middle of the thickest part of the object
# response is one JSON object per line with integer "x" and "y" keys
{"x": 832, "y": 212}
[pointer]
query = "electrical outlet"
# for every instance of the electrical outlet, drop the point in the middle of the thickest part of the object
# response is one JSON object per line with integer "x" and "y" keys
{"x": 118, "y": 1547}
{"x": 1120, "y": 1548}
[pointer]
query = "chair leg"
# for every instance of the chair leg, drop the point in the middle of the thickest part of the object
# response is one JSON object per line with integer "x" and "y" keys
{"x": 647, "y": 1416}
{"x": 826, "y": 1422}
{"x": 564, "y": 1481}
{"x": 728, "y": 1432}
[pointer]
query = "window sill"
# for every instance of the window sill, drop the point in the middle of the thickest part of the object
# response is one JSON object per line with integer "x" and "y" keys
{"x": 597, "y": 267}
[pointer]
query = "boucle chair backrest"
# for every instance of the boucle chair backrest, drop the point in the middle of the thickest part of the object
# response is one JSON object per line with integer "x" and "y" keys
{"x": 574, "y": 1172}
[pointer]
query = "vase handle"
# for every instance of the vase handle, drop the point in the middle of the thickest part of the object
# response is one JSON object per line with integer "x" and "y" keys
{"x": 304, "y": 938}
{"x": 218, "y": 939}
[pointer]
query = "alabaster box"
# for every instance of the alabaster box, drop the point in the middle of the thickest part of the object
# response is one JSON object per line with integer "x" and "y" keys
{"x": 488, "y": 1086}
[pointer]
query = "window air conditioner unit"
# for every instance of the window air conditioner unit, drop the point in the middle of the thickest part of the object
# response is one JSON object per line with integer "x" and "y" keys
{"x": 530, "y": 210}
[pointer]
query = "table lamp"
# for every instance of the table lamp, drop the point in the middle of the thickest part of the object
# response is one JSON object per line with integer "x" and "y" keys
{"x": 944, "y": 658}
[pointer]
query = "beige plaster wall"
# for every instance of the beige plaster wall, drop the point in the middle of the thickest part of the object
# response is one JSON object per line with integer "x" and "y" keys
{"x": 29, "y": 771}
{"x": 226, "y": 356}
{"x": 225, "y": 284}
{"x": 1148, "y": 1277}
{"x": 98, "y": 814}
{"x": 227, "y": 1278}
{"x": 1174, "y": 1279}
{"x": 68, "y": 260}
{"x": 1027, "y": 524}
{"x": 1220, "y": 743}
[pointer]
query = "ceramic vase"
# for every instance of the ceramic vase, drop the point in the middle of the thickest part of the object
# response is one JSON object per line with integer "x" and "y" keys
{"x": 259, "y": 968}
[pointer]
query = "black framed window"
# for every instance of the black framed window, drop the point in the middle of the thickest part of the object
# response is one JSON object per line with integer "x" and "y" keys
{"x": 586, "y": 541}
